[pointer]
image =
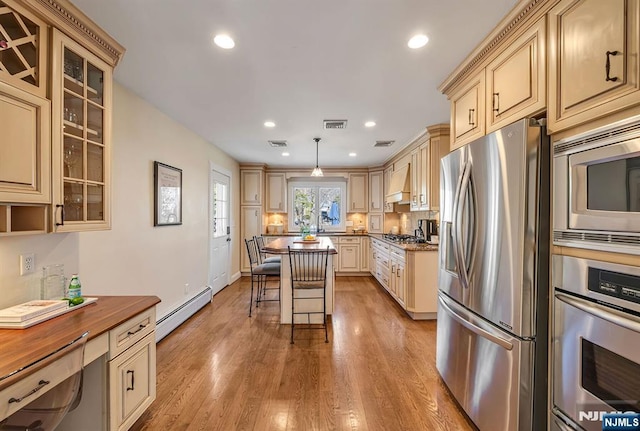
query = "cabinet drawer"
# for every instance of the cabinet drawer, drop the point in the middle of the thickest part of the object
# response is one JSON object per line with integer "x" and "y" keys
{"x": 131, "y": 331}
{"x": 397, "y": 254}
{"x": 37, "y": 383}
{"x": 132, "y": 379}
{"x": 349, "y": 240}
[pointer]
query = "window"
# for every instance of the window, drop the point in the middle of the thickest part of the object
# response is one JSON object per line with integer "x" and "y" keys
{"x": 318, "y": 203}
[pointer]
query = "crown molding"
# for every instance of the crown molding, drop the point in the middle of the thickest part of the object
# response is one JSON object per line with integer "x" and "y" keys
{"x": 63, "y": 15}
{"x": 524, "y": 13}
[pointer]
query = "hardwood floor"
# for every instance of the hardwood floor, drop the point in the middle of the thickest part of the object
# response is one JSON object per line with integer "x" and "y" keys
{"x": 222, "y": 370}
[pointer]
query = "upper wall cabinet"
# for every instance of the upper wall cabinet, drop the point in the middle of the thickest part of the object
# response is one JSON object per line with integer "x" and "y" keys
{"x": 516, "y": 79}
{"x": 23, "y": 63}
{"x": 467, "y": 111}
{"x": 593, "y": 58}
{"x": 81, "y": 95}
{"x": 276, "y": 193}
{"x": 251, "y": 185}
{"x": 376, "y": 190}
{"x": 358, "y": 193}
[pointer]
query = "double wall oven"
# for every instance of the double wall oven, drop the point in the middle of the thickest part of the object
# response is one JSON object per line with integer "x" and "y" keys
{"x": 596, "y": 342}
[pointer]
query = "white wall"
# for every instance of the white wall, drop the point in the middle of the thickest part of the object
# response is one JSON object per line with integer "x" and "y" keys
{"x": 135, "y": 258}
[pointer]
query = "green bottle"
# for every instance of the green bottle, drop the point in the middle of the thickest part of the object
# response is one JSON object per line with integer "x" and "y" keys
{"x": 74, "y": 290}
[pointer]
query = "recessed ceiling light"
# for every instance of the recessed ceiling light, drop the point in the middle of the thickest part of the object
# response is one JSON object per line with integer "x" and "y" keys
{"x": 224, "y": 41}
{"x": 418, "y": 41}
{"x": 352, "y": 154}
{"x": 285, "y": 154}
{"x": 369, "y": 124}
{"x": 269, "y": 124}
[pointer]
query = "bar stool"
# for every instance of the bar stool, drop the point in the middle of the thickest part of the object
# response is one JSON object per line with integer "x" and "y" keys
{"x": 259, "y": 274}
{"x": 262, "y": 255}
{"x": 45, "y": 412}
{"x": 309, "y": 283}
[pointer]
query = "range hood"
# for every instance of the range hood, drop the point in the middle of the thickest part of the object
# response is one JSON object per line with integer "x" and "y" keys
{"x": 399, "y": 186}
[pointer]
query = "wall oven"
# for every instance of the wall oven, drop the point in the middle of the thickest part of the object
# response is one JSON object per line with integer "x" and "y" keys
{"x": 596, "y": 342}
{"x": 597, "y": 189}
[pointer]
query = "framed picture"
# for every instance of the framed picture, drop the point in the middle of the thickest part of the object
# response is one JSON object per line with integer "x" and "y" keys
{"x": 167, "y": 198}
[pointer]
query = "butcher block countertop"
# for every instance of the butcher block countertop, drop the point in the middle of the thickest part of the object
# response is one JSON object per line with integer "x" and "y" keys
{"x": 20, "y": 348}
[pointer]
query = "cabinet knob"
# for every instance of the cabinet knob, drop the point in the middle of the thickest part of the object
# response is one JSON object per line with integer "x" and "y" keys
{"x": 607, "y": 66}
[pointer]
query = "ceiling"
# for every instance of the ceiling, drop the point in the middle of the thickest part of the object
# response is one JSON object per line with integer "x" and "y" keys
{"x": 296, "y": 63}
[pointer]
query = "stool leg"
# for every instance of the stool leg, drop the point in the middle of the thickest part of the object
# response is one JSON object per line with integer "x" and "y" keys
{"x": 251, "y": 296}
{"x": 292, "y": 301}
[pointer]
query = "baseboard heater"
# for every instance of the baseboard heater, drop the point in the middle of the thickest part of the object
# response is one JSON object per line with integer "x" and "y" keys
{"x": 176, "y": 317}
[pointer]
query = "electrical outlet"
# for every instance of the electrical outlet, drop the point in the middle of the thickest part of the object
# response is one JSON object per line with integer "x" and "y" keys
{"x": 27, "y": 263}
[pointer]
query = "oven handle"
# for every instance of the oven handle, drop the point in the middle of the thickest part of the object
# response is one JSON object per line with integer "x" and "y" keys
{"x": 628, "y": 321}
{"x": 473, "y": 328}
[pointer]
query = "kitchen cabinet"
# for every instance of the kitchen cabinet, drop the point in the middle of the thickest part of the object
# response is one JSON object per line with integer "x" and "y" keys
{"x": 132, "y": 370}
{"x": 376, "y": 190}
{"x": 358, "y": 196}
{"x": 365, "y": 253}
{"x": 251, "y": 185}
{"x": 81, "y": 140}
{"x": 24, "y": 62}
{"x": 388, "y": 206}
{"x": 25, "y": 146}
{"x": 376, "y": 222}
{"x": 250, "y": 225}
{"x": 416, "y": 166}
{"x": 594, "y": 63}
{"x": 349, "y": 257}
{"x": 468, "y": 111}
{"x": 397, "y": 279}
{"x": 276, "y": 201}
{"x": 379, "y": 264}
{"x": 516, "y": 79}
{"x": 425, "y": 168}
{"x": 21, "y": 219}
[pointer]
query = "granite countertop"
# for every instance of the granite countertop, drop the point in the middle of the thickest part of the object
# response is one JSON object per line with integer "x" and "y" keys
{"x": 319, "y": 234}
{"x": 406, "y": 247}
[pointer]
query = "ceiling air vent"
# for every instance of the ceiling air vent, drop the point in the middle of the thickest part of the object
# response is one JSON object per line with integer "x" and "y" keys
{"x": 335, "y": 124}
{"x": 278, "y": 144}
{"x": 383, "y": 143}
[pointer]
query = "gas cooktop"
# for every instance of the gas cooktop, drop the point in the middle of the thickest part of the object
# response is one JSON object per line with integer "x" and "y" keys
{"x": 403, "y": 239}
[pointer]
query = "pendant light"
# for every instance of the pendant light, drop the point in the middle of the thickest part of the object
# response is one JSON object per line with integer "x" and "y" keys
{"x": 317, "y": 172}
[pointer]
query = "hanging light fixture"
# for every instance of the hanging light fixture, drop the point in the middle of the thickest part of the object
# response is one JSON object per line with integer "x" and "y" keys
{"x": 317, "y": 172}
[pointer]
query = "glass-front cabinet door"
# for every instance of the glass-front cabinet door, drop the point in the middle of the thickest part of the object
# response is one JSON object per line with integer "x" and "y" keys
{"x": 81, "y": 137}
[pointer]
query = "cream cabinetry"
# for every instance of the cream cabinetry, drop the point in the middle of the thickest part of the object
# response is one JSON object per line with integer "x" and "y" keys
{"x": 276, "y": 193}
{"x": 467, "y": 111}
{"x": 379, "y": 263}
{"x": 365, "y": 253}
{"x": 416, "y": 167}
{"x": 250, "y": 225}
{"x": 516, "y": 79}
{"x": 510, "y": 87}
{"x": 251, "y": 185}
{"x": 358, "y": 196}
{"x": 349, "y": 257}
{"x": 388, "y": 206}
{"x": 376, "y": 191}
{"x": 594, "y": 60}
{"x": 25, "y": 146}
{"x": 397, "y": 282}
{"x": 132, "y": 370}
{"x": 81, "y": 156}
{"x": 376, "y": 222}
{"x": 425, "y": 168}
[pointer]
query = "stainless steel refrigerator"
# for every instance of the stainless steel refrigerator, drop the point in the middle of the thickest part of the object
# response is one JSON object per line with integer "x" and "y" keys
{"x": 493, "y": 277}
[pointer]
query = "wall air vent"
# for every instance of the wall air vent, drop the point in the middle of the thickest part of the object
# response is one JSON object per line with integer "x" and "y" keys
{"x": 335, "y": 124}
{"x": 278, "y": 144}
{"x": 383, "y": 143}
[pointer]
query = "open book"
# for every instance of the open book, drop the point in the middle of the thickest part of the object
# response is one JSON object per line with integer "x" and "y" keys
{"x": 31, "y": 309}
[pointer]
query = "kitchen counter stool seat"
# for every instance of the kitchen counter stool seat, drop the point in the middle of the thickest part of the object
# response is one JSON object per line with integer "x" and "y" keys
{"x": 259, "y": 275}
{"x": 262, "y": 255}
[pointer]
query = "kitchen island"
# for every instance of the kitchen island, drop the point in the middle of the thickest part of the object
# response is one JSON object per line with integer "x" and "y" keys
{"x": 281, "y": 246}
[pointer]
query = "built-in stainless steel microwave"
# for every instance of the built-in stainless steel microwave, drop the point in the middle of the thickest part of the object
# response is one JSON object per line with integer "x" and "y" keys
{"x": 596, "y": 188}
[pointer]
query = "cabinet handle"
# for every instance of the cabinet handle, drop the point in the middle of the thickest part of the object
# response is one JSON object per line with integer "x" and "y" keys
{"x": 607, "y": 66}
{"x": 471, "y": 122}
{"x": 279, "y": 205}
{"x": 393, "y": 269}
{"x": 495, "y": 102}
{"x": 61, "y": 215}
{"x": 415, "y": 199}
{"x": 421, "y": 198}
{"x": 398, "y": 272}
{"x": 140, "y": 328}
{"x": 256, "y": 197}
{"x": 41, "y": 384}
{"x": 256, "y": 213}
{"x": 133, "y": 376}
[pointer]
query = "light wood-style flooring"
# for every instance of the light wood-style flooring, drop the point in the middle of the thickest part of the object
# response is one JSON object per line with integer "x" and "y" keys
{"x": 222, "y": 370}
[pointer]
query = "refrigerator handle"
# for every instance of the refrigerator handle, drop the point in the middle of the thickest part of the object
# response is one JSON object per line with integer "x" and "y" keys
{"x": 457, "y": 228}
{"x": 473, "y": 328}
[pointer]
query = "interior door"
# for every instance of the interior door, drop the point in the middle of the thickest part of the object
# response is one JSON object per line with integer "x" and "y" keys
{"x": 220, "y": 231}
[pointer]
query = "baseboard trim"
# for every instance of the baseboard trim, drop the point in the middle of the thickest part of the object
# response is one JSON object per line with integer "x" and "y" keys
{"x": 180, "y": 314}
{"x": 421, "y": 315}
{"x": 235, "y": 277}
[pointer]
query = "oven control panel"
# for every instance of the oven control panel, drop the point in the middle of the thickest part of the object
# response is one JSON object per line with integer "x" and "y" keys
{"x": 615, "y": 284}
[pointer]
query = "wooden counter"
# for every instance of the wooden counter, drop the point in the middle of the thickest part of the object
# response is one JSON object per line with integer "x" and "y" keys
{"x": 20, "y": 348}
{"x": 280, "y": 246}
